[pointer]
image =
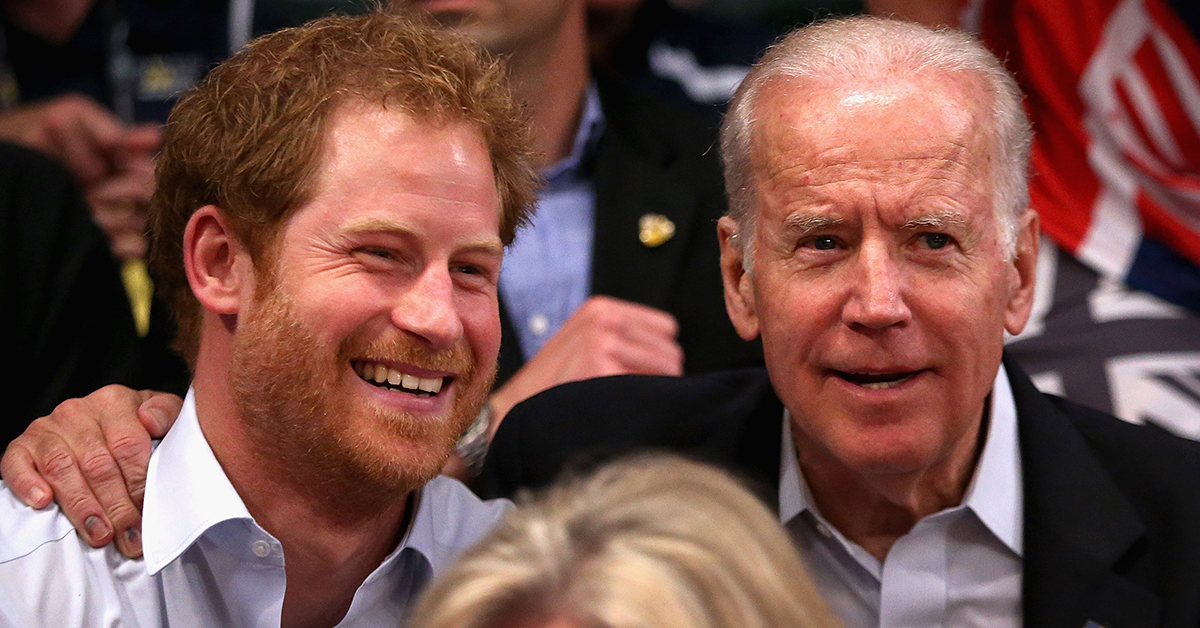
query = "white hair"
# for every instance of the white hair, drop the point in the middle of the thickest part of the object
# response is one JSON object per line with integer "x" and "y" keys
{"x": 865, "y": 48}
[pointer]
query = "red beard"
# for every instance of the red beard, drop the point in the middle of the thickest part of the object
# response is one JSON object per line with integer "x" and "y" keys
{"x": 290, "y": 389}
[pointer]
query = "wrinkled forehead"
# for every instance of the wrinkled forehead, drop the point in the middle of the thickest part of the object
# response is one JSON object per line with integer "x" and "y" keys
{"x": 831, "y": 124}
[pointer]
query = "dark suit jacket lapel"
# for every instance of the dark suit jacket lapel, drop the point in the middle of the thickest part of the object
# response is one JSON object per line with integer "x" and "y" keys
{"x": 634, "y": 176}
{"x": 1078, "y": 525}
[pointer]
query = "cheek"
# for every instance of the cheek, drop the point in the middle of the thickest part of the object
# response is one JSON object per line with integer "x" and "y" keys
{"x": 341, "y": 308}
{"x": 796, "y": 309}
{"x": 481, "y": 325}
{"x": 792, "y": 335}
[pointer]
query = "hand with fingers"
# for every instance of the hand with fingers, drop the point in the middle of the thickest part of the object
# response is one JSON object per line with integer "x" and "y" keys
{"x": 605, "y": 336}
{"x": 91, "y": 456}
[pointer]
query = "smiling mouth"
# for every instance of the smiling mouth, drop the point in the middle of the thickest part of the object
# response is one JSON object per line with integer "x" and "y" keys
{"x": 877, "y": 381}
{"x": 383, "y": 376}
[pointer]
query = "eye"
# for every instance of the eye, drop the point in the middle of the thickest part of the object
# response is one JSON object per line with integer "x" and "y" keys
{"x": 383, "y": 259}
{"x": 374, "y": 253}
{"x": 379, "y": 252}
{"x": 824, "y": 243}
{"x": 477, "y": 273}
{"x": 936, "y": 240}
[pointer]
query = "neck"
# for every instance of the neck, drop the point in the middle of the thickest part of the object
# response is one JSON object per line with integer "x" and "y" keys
{"x": 327, "y": 556}
{"x": 551, "y": 79}
{"x": 875, "y": 509}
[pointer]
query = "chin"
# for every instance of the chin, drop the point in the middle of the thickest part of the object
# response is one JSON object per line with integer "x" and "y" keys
{"x": 886, "y": 452}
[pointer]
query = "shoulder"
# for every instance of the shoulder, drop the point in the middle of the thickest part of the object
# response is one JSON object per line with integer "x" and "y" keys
{"x": 1060, "y": 438}
{"x": 1147, "y": 461}
{"x": 1082, "y": 463}
{"x": 635, "y": 400}
{"x": 1110, "y": 502}
{"x": 731, "y": 418}
{"x": 51, "y": 576}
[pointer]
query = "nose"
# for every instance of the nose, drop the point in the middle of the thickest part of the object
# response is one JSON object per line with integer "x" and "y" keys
{"x": 428, "y": 310}
{"x": 876, "y": 295}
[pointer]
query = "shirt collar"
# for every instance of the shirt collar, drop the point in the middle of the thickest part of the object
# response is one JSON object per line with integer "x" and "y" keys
{"x": 591, "y": 126}
{"x": 994, "y": 494}
{"x": 187, "y": 491}
{"x": 995, "y": 491}
{"x": 188, "y": 494}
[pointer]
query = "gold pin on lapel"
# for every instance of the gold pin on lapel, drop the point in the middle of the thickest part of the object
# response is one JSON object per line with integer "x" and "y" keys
{"x": 655, "y": 229}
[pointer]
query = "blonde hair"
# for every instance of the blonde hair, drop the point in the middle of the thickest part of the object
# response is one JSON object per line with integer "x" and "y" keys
{"x": 645, "y": 542}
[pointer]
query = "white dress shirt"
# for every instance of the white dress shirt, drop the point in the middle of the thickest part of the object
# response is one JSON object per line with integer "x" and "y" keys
{"x": 960, "y": 567}
{"x": 207, "y": 563}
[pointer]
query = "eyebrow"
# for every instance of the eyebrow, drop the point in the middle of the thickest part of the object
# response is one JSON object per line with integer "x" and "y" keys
{"x": 936, "y": 220}
{"x": 487, "y": 245}
{"x": 805, "y": 224}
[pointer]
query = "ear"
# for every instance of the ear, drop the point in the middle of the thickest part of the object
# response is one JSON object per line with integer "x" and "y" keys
{"x": 1023, "y": 273}
{"x": 219, "y": 268}
{"x": 739, "y": 287}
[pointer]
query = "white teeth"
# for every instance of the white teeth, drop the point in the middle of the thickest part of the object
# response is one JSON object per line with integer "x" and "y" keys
{"x": 885, "y": 385}
{"x": 379, "y": 374}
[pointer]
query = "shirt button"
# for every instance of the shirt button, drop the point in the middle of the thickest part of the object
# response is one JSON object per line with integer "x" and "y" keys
{"x": 538, "y": 324}
{"x": 824, "y": 530}
{"x": 261, "y": 549}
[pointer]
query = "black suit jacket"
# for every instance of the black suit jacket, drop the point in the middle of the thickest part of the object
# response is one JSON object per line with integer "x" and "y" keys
{"x": 654, "y": 157}
{"x": 1112, "y": 510}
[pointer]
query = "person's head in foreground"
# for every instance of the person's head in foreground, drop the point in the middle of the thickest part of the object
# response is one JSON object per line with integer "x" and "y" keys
{"x": 879, "y": 240}
{"x": 644, "y": 542}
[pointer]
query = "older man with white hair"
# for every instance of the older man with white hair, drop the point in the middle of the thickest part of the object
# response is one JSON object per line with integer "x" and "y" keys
{"x": 879, "y": 241}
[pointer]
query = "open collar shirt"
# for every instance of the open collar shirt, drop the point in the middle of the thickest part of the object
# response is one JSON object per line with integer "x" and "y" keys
{"x": 207, "y": 563}
{"x": 959, "y": 567}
